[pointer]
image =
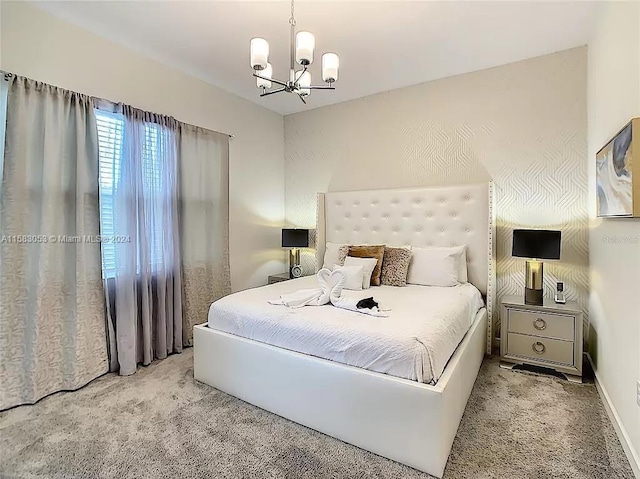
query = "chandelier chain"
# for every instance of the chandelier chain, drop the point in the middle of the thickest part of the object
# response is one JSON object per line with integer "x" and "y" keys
{"x": 292, "y": 20}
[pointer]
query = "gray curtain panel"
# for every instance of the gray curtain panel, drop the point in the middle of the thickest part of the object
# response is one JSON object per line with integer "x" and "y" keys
{"x": 204, "y": 222}
{"x": 144, "y": 312}
{"x": 52, "y": 328}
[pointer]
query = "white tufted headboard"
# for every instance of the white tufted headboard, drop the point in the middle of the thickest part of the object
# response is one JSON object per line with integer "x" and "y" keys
{"x": 433, "y": 216}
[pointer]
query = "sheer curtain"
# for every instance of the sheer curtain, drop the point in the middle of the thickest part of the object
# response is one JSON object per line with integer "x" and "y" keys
{"x": 52, "y": 329}
{"x": 141, "y": 254}
{"x": 204, "y": 221}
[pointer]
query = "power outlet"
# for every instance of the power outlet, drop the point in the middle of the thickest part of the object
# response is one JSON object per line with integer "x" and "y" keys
{"x": 638, "y": 393}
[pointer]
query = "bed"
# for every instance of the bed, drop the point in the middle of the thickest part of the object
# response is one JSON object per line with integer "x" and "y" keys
{"x": 423, "y": 329}
{"x": 398, "y": 392}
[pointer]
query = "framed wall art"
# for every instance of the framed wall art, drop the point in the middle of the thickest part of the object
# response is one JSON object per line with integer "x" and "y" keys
{"x": 618, "y": 174}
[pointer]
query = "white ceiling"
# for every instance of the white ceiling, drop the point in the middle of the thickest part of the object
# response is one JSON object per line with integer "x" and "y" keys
{"x": 382, "y": 45}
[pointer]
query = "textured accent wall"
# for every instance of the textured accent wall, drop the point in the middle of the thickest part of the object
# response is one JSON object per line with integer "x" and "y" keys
{"x": 524, "y": 125}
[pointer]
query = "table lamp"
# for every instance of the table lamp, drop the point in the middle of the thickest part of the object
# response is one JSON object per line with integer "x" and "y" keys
{"x": 295, "y": 238}
{"x": 535, "y": 245}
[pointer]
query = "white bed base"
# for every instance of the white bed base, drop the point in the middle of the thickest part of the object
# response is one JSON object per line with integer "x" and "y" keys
{"x": 403, "y": 420}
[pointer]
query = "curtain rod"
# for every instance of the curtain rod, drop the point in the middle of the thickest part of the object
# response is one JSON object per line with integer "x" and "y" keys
{"x": 8, "y": 75}
{"x": 179, "y": 121}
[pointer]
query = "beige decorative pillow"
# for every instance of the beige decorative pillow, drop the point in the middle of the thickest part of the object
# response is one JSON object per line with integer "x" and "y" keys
{"x": 395, "y": 266}
{"x": 367, "y": 251}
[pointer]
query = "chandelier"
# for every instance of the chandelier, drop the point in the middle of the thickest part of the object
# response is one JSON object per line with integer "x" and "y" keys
{"x": 301, "y": 53}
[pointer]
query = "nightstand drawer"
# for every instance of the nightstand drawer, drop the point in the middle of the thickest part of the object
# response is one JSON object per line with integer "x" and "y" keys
{"x": 541, "y": 349}
{"x": 555, "y": 326}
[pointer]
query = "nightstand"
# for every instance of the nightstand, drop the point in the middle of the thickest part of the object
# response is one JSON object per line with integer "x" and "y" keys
{"x": 549, "y": 336}
{"x": 276, "y": 278}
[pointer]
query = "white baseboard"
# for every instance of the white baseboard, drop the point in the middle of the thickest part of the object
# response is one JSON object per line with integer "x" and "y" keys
{"x": 629, "y": 450}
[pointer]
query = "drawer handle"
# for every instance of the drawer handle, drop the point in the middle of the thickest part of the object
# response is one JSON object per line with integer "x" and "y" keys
{"x": 540, "y": 324}
{"x": 538, "y": 347}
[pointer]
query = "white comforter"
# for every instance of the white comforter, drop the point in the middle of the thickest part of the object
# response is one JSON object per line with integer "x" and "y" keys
{"x": 423, "y": 329}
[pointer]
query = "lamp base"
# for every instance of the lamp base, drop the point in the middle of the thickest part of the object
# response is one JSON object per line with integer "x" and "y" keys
{"x": 533, "y": 282}
{"x": 533, "y": 296}
{"x": 294, "y": 263}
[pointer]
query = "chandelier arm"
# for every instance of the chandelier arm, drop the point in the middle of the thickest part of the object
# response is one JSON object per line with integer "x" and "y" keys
{"x": 278, "y": 82}
{"x": 271, "y": 92}
{"x": 321, "y": 87}
{"x": 301, "y": 73}
{"x": 302, "y": 98}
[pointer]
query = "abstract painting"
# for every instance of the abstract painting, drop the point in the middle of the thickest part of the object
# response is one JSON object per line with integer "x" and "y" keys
{"x": 615, "y": 175}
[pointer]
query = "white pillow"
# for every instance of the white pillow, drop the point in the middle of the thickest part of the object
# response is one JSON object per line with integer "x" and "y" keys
{"x": 353, "y": 276}
{"x": 434, "y": 266}
{"x": 368, "y": 265}
{"x": 332, "y": 254}
{"x": 462, "y": 262}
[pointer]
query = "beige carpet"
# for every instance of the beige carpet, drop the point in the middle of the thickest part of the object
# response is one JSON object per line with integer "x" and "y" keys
{"x": 160, "y": 423}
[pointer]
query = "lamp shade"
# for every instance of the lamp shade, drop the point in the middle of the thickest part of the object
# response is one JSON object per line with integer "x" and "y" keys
{"x": 267, "y": 73}
{"x": 259, "y": 53}
{"x": 304, "y": 82}
{"x": 330, "y": 64}
{"x": 305, "y": 44}
{"x": 536, "y": 244}
{"x": 295, "y": 238}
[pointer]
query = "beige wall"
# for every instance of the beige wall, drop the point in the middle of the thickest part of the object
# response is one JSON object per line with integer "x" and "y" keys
{"x": 614, "y": 98}
{"x": 523, "y": 124}
{"x": 40, "y": 46}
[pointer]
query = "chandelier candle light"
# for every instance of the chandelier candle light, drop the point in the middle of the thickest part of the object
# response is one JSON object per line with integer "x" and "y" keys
{"x": 301, "y": 52}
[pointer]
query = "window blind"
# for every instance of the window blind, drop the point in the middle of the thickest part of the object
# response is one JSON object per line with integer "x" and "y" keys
{"x": 110, "y": 146}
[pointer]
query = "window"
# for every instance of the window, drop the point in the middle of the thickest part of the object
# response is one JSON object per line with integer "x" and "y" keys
{"x": 110, "y": 137}
{"x": 119, "y": 191}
